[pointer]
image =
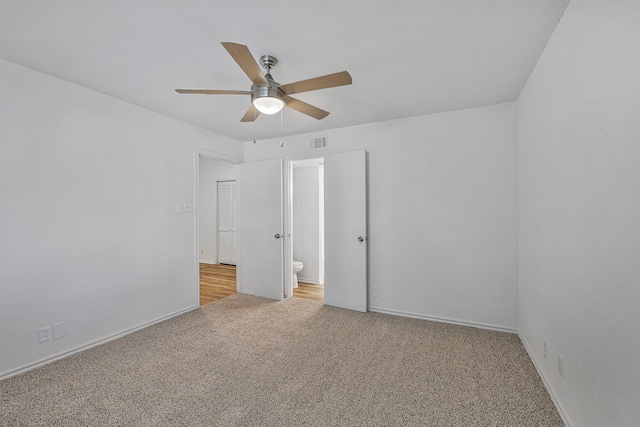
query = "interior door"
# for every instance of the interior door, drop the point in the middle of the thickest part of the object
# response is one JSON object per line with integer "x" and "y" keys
{"x": 227, "y": 239}
{"x": 345, "y": 219}
{"x": 260, "y": 222}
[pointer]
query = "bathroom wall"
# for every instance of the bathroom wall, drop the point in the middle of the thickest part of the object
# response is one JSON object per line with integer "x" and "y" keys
{"x": 442, "y": 211}
{"x": 306, "y": 223}
{"x": 579, "y": 212}
{"x": 89, "y": 229}
{"x": 210, "y": 172}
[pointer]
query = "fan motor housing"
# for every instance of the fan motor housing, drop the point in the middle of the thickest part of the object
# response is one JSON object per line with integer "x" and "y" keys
{"x": 271, "y": 91}
{"x": 262, "y": 91}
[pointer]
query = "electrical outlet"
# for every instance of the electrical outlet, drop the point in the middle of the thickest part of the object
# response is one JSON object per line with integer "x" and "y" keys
{"x": 59, "y": 330}
{"x": 188, "y": 207}
{"x": 44, "y": 334}
{"x": 544, "y": 351}
{"x": 561, "y": 366}
{"x": 375, "y": 292}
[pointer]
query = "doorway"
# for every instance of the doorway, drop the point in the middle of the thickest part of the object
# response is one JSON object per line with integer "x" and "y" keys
{"x": 265, "y": 264}
{"x": 307, "y": 228}
{"x": 214, "y": 207}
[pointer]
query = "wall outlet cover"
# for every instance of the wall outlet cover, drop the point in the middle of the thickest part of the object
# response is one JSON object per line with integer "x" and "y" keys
{"x": 44, "y": 334}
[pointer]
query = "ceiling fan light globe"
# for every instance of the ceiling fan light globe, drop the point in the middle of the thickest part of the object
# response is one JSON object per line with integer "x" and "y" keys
{"x": 268, "y": 104}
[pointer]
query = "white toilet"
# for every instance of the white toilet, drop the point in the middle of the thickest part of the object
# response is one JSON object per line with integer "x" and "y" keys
{"x": 297, "y": 268}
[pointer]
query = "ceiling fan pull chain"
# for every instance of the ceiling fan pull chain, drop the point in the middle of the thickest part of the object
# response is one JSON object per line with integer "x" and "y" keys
{"x": 254, "y": 126}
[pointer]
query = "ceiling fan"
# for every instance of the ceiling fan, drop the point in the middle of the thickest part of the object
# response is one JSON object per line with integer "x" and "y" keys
{"x": 267, "y": 95}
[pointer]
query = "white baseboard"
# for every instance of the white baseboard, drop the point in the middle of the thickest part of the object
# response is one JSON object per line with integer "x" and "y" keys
{"x": 206, "y": 261}
{"x": 443, "y": 320}
{"x": 67, "y": 353}
{"x": 563, "y": 414}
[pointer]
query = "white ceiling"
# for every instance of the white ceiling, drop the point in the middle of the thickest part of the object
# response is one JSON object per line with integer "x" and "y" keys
{"x": 406, "y": 57}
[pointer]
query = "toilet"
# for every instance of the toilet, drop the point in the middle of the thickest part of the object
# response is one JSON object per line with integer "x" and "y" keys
{"x": 297, "y": 268}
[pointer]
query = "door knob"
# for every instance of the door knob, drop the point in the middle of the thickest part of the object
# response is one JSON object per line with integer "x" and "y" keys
{"x": 277, "y": 236}
{"x": 361, "y": 239}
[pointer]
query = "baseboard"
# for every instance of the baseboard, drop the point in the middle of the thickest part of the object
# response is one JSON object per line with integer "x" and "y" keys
{"x": 547, "y": 385}
{"x": 313, "y": 282}
{"x": 67, "y": 353}
{"x": 206, "y": 261}
{"x": 443, "y": 320}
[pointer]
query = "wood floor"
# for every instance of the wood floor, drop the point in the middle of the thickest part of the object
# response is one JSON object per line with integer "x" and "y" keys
{"x": 309, "y": 291}
{"x": 219, "y": 280}
{"x": 216, "y": 282}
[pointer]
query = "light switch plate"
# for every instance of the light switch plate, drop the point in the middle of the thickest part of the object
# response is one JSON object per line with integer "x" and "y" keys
{"x": 59, "y": 330}
{"x": 179, "y": 208}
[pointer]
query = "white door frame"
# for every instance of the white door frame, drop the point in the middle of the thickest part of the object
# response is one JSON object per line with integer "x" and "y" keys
{"x": 198, "y": 153}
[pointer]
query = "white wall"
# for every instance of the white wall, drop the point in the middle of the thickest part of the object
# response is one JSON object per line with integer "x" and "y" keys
{"x": 210, "y": 172}
{"x": 306, "y": 223}
{"x": 579, "y": 212}
{"x": 89, "y": 233}
{"x": 442, "y": 211}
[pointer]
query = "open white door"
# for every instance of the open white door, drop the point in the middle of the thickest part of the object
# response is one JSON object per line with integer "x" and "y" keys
{"x": 260, "y": 260}
{"x": 345, "y": 221}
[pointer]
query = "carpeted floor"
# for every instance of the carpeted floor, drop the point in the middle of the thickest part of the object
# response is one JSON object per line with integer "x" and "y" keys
{"x": 249, "y": 361}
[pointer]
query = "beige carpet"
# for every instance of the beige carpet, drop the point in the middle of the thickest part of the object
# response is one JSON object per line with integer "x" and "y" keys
{"x": 248, "y": 361}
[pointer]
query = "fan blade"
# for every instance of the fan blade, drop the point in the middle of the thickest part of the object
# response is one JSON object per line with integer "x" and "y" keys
{"x": 330, "y": 80}
{"x": 251, "y": 114}
{"x": 241, "y": 54}
{"x": 305, "y": 108}
{"x": 215, "y": 92}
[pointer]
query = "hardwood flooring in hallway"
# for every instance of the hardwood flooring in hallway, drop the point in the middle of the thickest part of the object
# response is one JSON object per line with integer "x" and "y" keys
{"x": 218, "y": 281}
